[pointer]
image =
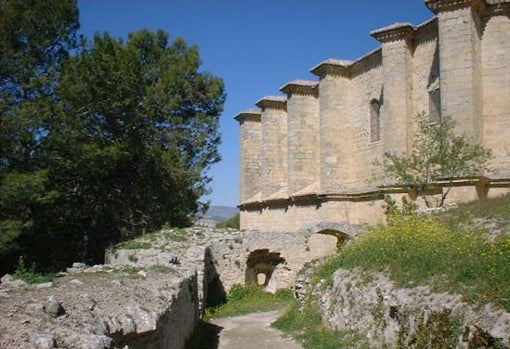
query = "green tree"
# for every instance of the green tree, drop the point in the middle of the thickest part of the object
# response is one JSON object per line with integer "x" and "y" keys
{"x": 36, "y": 37}
{"x": 35, "y": 41}
{"x": 99, "y": 145}
{"x": 140, "y": 130}
{"x": 438, "y": 155}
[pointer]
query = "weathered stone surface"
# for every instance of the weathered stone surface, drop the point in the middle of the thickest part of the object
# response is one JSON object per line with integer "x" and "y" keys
{"x": 408, "y": 318}
{"x": 6, "y": 278}
{"x": 43, "y": 341}
{"x": 53, "y": 307}
{"x": 99, "y": 313}
{"x": 153, "y": 305}
{"x": 79, "y": 265}
{"x": 456, "y": 64}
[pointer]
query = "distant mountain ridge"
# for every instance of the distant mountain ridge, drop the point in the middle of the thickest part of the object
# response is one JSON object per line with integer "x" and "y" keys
{"x": 216, "y": 214}
{"x": 221, "y": 213}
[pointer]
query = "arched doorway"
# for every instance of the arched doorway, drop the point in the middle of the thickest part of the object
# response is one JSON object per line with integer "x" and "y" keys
{"x": 326, "y": 242}
{"x": 260, "y": 266}
{"x": 325, "y": 238}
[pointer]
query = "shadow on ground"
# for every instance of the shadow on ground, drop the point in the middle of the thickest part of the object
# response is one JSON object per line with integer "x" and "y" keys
{"x": 206, "y": 336}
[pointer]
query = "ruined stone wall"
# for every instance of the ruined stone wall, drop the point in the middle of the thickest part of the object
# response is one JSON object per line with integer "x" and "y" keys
{"x": 102, "y": 307}
{"x": 416, "y": 317}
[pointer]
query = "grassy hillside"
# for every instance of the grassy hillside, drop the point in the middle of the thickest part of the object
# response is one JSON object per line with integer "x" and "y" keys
{"x": 465, "y": 250}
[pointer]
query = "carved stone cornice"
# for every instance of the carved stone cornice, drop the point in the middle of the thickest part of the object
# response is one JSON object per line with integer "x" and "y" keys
{"x": 438, "y": 6}
{"x": 272, "y": 102}
{"x": 301, "y": 87}
{"x": 336, "y": 67}
{"x": 248, "y": 115}
{"x": 394, "y": 32}
{"x": 355, "y": 194}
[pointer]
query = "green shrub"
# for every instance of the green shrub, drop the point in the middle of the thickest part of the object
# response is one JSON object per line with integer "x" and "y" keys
{"x": 133, "y": 245}
{"x": 29, "y": 274}
{"x": 232, "y": 222}
{"x": 421, "y": 250}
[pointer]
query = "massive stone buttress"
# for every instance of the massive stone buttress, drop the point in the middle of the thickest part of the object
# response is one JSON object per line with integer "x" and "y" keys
{"x": 320, "y": 142}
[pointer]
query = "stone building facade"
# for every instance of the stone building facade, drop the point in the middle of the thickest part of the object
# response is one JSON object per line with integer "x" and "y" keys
{"x": 307, "y": 156}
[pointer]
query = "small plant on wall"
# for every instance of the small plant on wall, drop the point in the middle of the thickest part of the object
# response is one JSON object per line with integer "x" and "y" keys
{"x": 437, "y": 155}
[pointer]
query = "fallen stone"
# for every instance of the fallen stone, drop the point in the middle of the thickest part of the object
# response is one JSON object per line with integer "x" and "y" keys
{"x": 53, "y": 307}
{"x": 79, "y": 265}
{"x": 17, "y": 283}
{"x": 76, "y": 282}
{"x": 43, "y": 341}
{"x": 128, "y": 325}
{"x": 44, "y": 285}
{"x": 6, "y": 278}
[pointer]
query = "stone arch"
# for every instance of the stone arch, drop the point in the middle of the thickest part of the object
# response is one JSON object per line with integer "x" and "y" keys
{"x": 342, "y": 227}
{"x": 325, "y": 238}
{"x": 260, "y": 266}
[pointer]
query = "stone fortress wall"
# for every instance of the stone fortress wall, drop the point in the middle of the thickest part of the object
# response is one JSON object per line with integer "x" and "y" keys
{"x": 308, "y": 156}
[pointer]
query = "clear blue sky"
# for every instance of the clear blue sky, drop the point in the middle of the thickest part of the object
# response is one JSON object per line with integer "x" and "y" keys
{"x": 255, "y": 46}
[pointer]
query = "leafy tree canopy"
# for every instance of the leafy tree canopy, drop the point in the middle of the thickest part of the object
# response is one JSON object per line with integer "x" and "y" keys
{"x": 36, "y": 38}
{"x": 438, "y": 154}
{"x": 102, "y": 144}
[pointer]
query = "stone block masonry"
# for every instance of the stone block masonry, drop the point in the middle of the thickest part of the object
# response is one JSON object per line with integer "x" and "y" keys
{"x": 310, "y": 158}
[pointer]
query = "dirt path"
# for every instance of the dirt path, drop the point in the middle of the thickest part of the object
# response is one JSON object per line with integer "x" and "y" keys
{"x": 252, "y": 331}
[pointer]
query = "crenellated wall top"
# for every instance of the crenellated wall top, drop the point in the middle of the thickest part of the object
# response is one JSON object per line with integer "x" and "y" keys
{"x": 301, "y": 87}
{"x": 332, "y": 66}
{"x": 394, "y": 32}
{"x": 250, "y": 114}
{"x": 272, "y": 102}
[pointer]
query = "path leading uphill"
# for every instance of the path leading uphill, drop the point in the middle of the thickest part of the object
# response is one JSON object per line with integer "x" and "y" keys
{"x": 252, "y": 331}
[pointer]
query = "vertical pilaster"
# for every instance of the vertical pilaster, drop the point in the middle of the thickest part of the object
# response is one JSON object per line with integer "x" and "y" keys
{"x": 274, "y": 145}
{"x": 335, "y": 126}
{"x": 250, "y": 147}
{"x": 303, "y": 134}
{"x": 397, "y": 107}
{"x": 496, "y": 81}
{"x": 459, "y": 56}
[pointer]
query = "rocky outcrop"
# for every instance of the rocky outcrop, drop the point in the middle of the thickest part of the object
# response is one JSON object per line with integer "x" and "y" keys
{"x": 414, "y": 317}
{"x": 102, "y": 307}
{"x": 151, "y": 292}
{"x": 223, "y": 254}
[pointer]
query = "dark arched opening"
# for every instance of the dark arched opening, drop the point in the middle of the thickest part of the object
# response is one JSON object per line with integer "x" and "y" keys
{"x": 260, "y": 266}
{"x": 326, "y": 242}
{"x": 375, "y": 120}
